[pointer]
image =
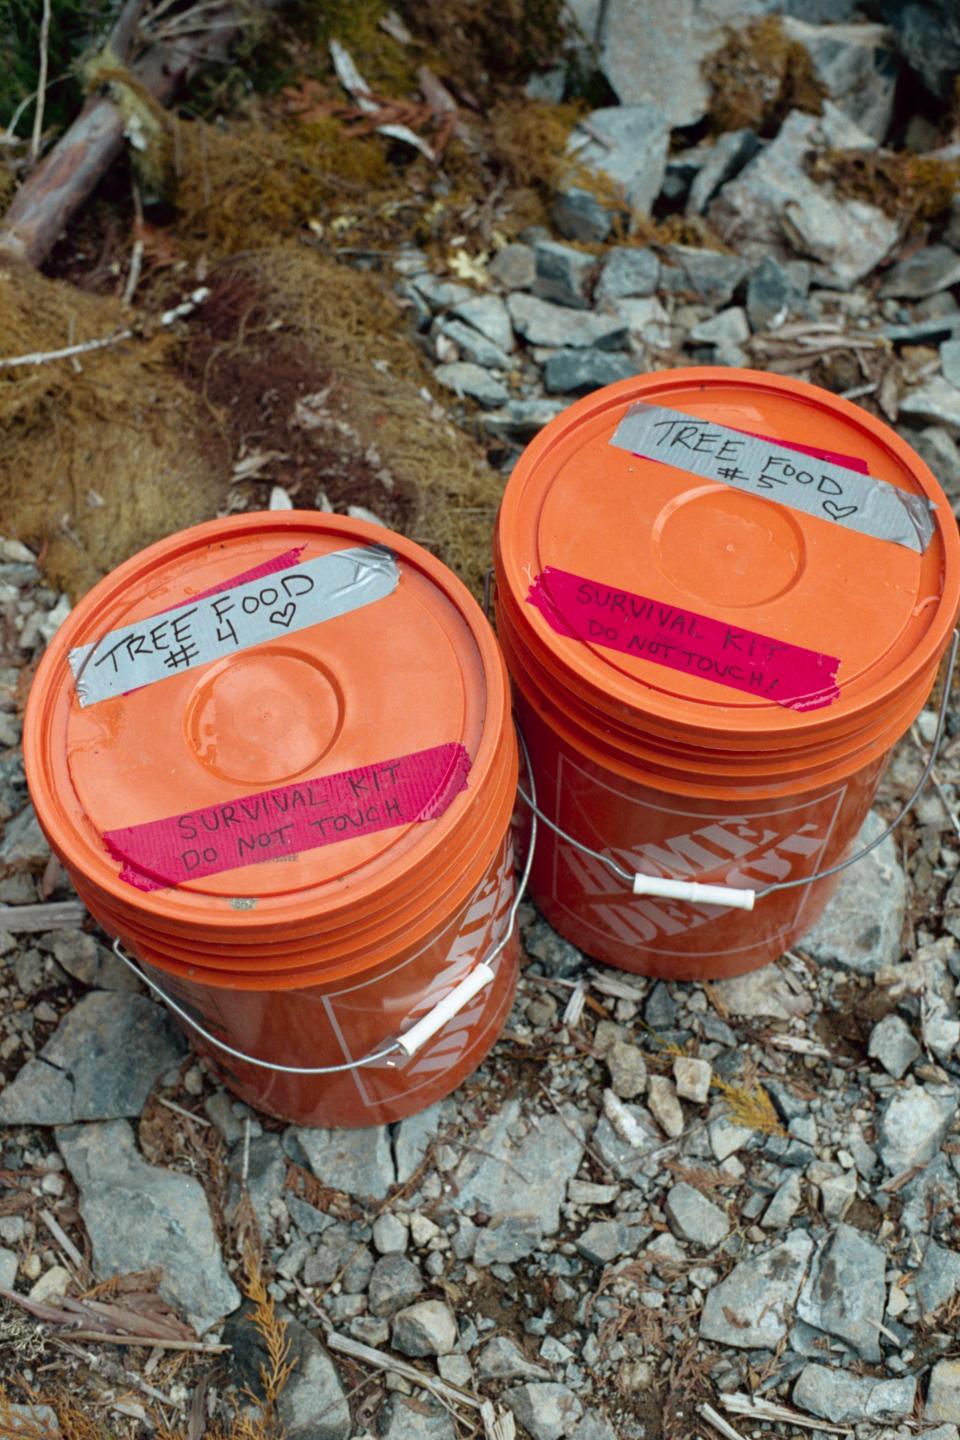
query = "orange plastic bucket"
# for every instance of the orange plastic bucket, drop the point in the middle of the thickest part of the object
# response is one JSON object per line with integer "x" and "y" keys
{"x": 723, "y": 597}
{"x": 275, "y": 754}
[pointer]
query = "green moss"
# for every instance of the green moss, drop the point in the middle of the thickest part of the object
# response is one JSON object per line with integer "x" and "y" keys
{"x": 75, "y": 27}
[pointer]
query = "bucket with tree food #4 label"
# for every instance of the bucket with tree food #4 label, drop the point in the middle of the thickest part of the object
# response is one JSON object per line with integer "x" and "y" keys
{"x": 276, "y": 756}
{"x": 723, "y": 596}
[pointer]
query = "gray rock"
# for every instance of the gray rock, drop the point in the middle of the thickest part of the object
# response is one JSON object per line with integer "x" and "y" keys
{"x": 390, "y": 1235}
{"x": 523, "y": 1167}
{"x": 759, "y": 1294}
{"x": 838, "y": 1396}
{"x": 726, "y": 1137}
{"x": 578, "y": 215}
{"x": 943, "y": 1393}
{"x": 664, "y": 1105}
{"x": 563, "y": 274}
{"x": 542, "y": 323}
{"x": 101, "y": 1063}
{"x": 785, "y": 1203}
{"x": 938, "y": 1278}
{"x": 654, "y": 52}
{"x": 860, "y": 928}
{"x": 472, "y": 381}
{"x": 313, "y": 1404}
{"x": 627, "y": 144}
{"x": 857, "y": 65}
{"x": 935, "y": 268}
{"x": 647, "y": 322}
{"x": 892, "y": 1043}
{"x": 394, "y": 1283}
{"x": 86, "y": 960}
{"x": 693, "y": 1078}
{"x": 405, "y": 1417}
{"x": 427, "y": 1328}
{"x": 694, "y": 1218}
{"x": 914, "y": 1124}
{"x": 474, "y": 348}
{"x": 28, "y": 1420}
{"x": 627, "y": 271}
{"x": 761, "y": 994}
{"x": 513, "y": 267}
{"x": 507, "y": 1238}
{"x": 844, "y": 1293}
{"x": 339, "y": 1256}
{"x": 628, "y": 1070}
{"x": 24, "y": 845}
{"x": 727, "y": 327}
{"x": 774, "y": 196}
{"x": 627, "y": 1160}
{"x": 549, "y": 1411}
{"x": 950, "y": 361}
{"x": 358, "y": 1162}
{"x": 138, "y": 1216}
{"x": 266, "y": 1179}
{"x": 577, "y": 372}
{"x": 928, "y": 37}
{"x": 594, "y": 1426}
{"x": 837, "y": 1194}
{"x": 705, "y": 275}
{"x": 489, "y": 315}
{"x": 935, "y": 400}
{"x": 441, "y": 294}
{"x": 660, "y": 1008}
{"x": 414, "y": 1136}
{"x": 727, "y": 157}
{"x": 605, "y": 1240}
{"x": 521, "y": 419}
{"x": 501, "y": 1359}
{"x": 8, "y": 1268}
{"x": 12, "y": 1229}
{"x": 931, "y": 1193}
{"x": 775, "y": 291}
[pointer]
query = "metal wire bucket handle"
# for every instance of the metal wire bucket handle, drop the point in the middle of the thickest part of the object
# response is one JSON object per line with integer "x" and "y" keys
{"x": 736, "y": 899}
{"x": 410, "y": 1041}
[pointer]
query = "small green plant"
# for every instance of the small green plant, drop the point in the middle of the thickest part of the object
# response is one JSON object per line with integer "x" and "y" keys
{"x": 76, "y": 26}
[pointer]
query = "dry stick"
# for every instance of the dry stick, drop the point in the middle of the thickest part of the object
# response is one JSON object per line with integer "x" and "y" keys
{"x": 41, "y": 83}
{"x": 53, "y": 193}
{"x": 715, "y": 1419}
{"x": 43, "y": 357}
{"x": 179, "y": 1110}
{"x": 198, "y": 1347}
{"x": 63, "y": 1239}
{"x": 136, "y": 254}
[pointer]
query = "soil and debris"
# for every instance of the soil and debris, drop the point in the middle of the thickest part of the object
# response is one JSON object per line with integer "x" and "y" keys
{"x": 355, "y": 268}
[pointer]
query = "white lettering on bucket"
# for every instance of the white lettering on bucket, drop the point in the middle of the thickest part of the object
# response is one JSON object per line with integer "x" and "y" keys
{"x": 472, "y": 934}
{"x": 745, "y": 851}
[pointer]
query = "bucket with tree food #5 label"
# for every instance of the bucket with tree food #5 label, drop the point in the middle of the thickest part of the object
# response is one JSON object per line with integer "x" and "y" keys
{"x": 723, "y": 597}
{"x": 276, "y": 756}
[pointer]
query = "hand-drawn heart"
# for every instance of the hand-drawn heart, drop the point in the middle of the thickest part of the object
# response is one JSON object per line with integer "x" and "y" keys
{"x": 836, "y": 512}
{"x": 283, "y": 617}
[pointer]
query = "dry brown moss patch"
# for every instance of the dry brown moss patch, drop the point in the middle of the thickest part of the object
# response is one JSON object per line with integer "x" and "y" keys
{"x": 758, "y": 76}
{"x": 915, "y": 188}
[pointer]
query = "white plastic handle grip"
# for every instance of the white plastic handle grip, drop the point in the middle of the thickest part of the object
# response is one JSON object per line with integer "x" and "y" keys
{"x": 417, "y": 1036}
{"x": 690, "y": 890}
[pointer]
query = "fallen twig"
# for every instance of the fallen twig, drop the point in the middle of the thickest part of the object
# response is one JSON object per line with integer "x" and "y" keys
{"x": 179, "y": 1110}
{"x": 43, "y": 357}
{"x": 56, "y": 915}
{"x": 759, "y": 1409}
{"x": 37, "y": 135}
{"x": 63, "y": 1240}
{"x": 714, "y": 1418}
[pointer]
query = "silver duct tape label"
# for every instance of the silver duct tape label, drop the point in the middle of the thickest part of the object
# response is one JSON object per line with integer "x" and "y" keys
{"x": 234, "y": 619}
{"x": 777, "y": 472}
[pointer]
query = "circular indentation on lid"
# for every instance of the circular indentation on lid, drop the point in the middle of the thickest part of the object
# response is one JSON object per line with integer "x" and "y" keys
{"x": 263, "y": 718}
{"x": 728, "y": 548}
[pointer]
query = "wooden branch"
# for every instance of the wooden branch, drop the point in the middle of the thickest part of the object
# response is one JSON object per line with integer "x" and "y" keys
{"x": 54, "y": 915}
{"x": 53, "y": 193}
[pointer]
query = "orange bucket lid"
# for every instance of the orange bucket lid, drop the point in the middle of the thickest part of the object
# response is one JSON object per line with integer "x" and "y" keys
{"x": 340, "y": 675}
{"x": 678, "y": 539}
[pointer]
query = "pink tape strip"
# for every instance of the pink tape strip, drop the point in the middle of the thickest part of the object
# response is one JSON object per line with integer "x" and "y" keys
{"x": 685, "y": 640}
{"x": 282, "y": 822}
{"x": 835, "y": 457}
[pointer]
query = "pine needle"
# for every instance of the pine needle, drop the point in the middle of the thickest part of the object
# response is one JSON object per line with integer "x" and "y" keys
{"x": 750, "y": 1105}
